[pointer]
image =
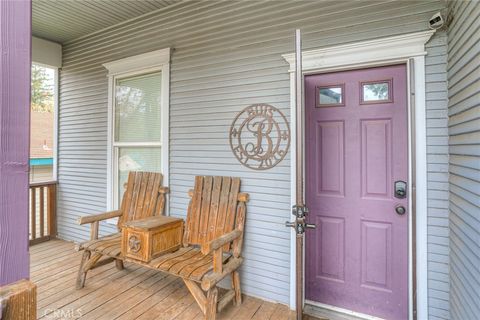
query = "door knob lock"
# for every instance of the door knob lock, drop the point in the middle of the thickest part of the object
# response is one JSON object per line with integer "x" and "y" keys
{"x": 400, "y": 189}
{"x": 300, "y": 212}
{"x": 400, "y": 210}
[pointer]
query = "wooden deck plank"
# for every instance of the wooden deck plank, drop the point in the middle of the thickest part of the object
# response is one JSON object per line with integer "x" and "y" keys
{"x": 42, "y": 257}
{"x": 265, "y": 311}
{"x": 38, "y": 260}
{"x": 48, "y": 246}
{"x": 44, "y": 249}
{"x": 134, "y": 297}
{"x": 108, "y": 291}
{"x": 253, "y": 304}
{"x": 53, "y": 264}
{"x": 65, "y": 294}
{"x": 152, "y": 301}
{"x": 133, "y": 293}
{"x": 158, "y": 309}
{"x": 54, "y": 279}
{"x": 177, "y": 308}
{"x": 282, "y": 313}
{"x": 231, "y": 311}
{"x": 68, "y": 295}
{"x": 190, "y": 313}
{"x": 52, "y": 293}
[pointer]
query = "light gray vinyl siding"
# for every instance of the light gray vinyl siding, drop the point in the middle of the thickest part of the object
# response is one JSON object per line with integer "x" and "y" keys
{"x": 227, "y": 56}
{"x": 464, "y": 130}
{"x": 437, "y": 176}
{"x": 61, "y": 21}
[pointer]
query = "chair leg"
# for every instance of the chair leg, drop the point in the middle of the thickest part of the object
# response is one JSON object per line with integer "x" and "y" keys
{"x": 236, "y": 288}
{"x": 119, "y": 264}
{"x": 211, "y": 309}
{"x": 82, "y": 275}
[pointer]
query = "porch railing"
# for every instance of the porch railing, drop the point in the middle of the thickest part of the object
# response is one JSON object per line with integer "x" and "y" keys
{"x": 43, "y": 221}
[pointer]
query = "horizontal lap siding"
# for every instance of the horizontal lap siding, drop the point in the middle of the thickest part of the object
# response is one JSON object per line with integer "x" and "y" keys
{"x": 81, "y": 17}
{"x": 227, "y": 56}
{"x": 464, "y": 130}
{"x": 437, "y": 176}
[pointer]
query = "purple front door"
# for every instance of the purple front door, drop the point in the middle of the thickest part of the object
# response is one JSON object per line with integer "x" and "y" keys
{"x": 356, "y": 169}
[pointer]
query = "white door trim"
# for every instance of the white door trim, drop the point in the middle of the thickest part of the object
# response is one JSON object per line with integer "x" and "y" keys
{"x": 383, "y": 51}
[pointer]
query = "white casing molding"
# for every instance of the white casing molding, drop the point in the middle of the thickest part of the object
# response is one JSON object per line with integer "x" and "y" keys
{"x": 49, "y": 54}
{"x": 158, "y": 60}
{"x": 353, "y": 55}
{"x": 46, "y": 53}
{"x": 149, "y": 60}
{"x": 383, "y": 51}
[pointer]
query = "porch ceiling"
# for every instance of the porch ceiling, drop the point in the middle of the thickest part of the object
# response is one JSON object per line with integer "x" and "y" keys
{"x": 64, "y": 20}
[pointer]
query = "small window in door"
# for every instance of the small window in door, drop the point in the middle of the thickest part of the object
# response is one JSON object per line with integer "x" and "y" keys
{"x": 330, "y": 96}
{"x": 376, "y": 91}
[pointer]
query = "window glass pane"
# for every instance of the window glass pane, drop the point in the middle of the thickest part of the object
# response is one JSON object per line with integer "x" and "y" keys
{"x": 136, "y": 159}
{"x": 137, "y": 108}
{"x": 379, "y": 91}
{"x": 330, "y": 95}
{"x": 42, "y": 119}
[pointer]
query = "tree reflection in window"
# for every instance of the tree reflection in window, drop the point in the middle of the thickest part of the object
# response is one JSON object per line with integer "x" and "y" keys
{"x": 378, "y": 91}
{"x": 137, "y": 108}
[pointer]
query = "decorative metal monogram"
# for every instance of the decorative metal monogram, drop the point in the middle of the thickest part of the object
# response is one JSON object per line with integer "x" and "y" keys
{"x": 260, "y": 136}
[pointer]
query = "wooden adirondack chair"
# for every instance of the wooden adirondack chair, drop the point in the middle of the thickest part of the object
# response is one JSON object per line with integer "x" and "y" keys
{"x": 144, "y": 197}
{"x": 212, "y": 243}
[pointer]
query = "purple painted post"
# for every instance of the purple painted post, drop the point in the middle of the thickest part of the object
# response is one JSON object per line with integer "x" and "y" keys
{"x": 15, "y": 61}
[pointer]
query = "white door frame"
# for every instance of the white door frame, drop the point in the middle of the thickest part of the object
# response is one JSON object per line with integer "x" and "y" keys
{"x": 408, "y": 49}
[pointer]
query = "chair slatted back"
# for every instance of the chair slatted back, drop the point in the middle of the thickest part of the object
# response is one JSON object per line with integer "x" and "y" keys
{"x": 144, "y": 196}
{"x": 212, "y": 211}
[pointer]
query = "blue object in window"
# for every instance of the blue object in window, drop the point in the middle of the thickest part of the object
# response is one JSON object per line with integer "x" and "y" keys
{"x": 41, "y": 161}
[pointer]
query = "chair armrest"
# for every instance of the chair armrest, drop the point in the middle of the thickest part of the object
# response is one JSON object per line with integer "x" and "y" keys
{"x": 220, "y": 241}
{"x": 99, "y": 217}
{"x": 163, "y": 190}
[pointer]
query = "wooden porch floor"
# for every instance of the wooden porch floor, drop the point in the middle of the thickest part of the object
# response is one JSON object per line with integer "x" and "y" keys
{"x": 133, "y": 293}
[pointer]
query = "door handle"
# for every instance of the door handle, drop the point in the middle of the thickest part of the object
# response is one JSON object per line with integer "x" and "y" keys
{"x": 300, "y": 226}
{"x": 300, "y": 212}
{"x": 400, "y": 210}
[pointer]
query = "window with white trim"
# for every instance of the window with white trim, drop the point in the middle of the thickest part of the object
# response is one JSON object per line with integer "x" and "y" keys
{"x": 138, "y": 116}
{"x": 43, "y": 123}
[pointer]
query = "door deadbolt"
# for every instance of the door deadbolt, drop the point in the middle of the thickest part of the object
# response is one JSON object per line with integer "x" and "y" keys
{"x": 400, "y": 189}
{"x": 400, "y": 210}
